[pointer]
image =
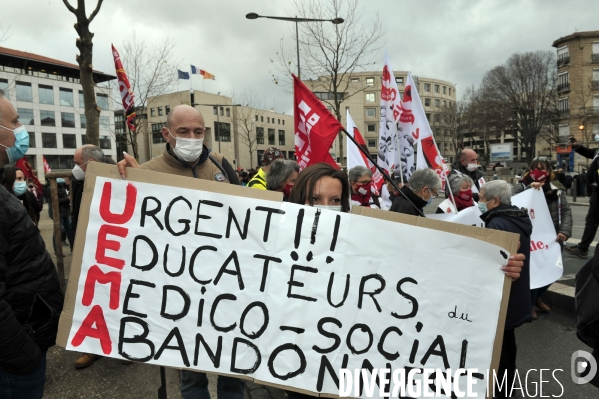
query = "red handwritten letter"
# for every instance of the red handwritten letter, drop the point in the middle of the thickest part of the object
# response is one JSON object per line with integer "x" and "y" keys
{"x": 95, "y": 316}
{"x": 115, "y": 218}
{"x": 96, "y": 275}
{"x": 104, "y": 244}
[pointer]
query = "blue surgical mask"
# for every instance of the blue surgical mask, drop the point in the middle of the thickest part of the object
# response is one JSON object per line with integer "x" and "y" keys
{"x": 18, "y": 150}
{"x": 482, "y": 206}
{"x": 19, "y": 188}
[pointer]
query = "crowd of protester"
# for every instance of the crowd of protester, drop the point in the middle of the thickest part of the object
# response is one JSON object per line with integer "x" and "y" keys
{"x": 22, "y": 352}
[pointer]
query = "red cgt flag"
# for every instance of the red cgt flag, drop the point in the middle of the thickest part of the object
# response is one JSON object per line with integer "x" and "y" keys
{"x": 127, "y": 95}
{"x": 315, "y": 128}
{"x": 27, "y": 170}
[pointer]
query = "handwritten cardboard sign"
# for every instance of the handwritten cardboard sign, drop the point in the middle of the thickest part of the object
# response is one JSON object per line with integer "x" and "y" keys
{"x": 206, "y": 276}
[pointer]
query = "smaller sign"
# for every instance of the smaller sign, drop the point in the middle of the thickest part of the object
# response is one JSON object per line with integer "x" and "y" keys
{"x": 502, "y": 152}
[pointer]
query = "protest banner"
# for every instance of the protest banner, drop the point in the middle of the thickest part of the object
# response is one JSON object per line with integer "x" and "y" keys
{"x": 207, "y": 276}
{"x": 468, "y": 216}
{"x": 546, "y": 265}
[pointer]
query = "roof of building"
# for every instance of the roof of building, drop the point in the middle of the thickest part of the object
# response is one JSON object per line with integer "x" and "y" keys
{"x": 36, "y": 62}
{"x": 576, "y": 35}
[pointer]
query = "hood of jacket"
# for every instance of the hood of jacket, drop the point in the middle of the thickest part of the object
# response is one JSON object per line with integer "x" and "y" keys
{"x": 517, "y": 216}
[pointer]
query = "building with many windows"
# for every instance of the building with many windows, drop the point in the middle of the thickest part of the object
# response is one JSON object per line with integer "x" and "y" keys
{"x": 578, "y": 94}
{"x": 231, "y": 129}
{"x": 362, "y": 99}
{"x": 49, "y": 100}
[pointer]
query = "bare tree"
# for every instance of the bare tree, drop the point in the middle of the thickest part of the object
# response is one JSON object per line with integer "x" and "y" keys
{"x": 331, "y": 53}
{"x": 459, "y": 118}
{"x": 248, "y": 113}
{"x": 4, "y": 33}
{"x": 150, "y": 70}
{"x": 85, "y": 60}
{"x": 522, "y": 90}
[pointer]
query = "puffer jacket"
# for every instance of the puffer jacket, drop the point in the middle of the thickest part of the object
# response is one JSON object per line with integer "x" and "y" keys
{"x": 514, "y": 220}
{"x": 551, "y": 192}
{"x": 30, "y": 295}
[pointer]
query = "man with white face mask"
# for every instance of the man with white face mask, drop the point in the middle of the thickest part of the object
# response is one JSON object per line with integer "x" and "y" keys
{"x": 467, "y": 164}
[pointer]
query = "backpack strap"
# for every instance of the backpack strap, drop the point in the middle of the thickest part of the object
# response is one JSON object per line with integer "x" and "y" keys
{"x": 218, "y": 165}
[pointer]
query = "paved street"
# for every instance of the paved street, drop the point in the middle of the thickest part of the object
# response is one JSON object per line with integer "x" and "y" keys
{"x": 547, "y": 343}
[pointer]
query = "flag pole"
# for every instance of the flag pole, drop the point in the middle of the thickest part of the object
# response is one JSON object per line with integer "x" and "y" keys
{"x": 381, "y": 170}
{"x": 445, "y": 173}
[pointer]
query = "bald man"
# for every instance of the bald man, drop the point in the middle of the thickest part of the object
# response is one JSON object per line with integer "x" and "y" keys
{"x": 467, "y": 164}
{"x": 186, "y": 155}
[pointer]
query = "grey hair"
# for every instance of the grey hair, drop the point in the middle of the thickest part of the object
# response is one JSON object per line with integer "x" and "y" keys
{"x": 358, "y": 171}
{"x": 455, "y": 181}
{"x": 425, "y": 178}
{"x": 92, "y": 151}
{"x": 279, "y": 172}
{"x": 497, "y": 188}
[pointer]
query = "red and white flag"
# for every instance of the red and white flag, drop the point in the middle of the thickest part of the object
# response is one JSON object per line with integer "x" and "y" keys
{"x": 315, "y": 128}
{"x": 388, "y": 156}
{"x": 46, "y": 165}
{"x": 127, "y": 95}
{"x": 416, "y": 126}
{"x": 355, "y": 157}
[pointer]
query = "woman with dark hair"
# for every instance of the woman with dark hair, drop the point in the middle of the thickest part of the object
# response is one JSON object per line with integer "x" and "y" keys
{"x": 541, "y": 177}
{"x": 13, "y": 179}
{"x": 322, "y": 186}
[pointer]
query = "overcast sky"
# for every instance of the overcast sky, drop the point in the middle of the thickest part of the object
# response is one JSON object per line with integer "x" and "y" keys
{"x": 454, "y": 40}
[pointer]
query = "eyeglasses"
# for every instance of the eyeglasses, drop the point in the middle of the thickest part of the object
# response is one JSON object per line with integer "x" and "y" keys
{"x": 433, "y": 193}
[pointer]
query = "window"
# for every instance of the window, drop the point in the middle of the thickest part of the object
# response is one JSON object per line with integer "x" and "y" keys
{"x": 4, "y": 87}
{"x": 330, "y": 109}
{"x": 563, "y": 56}
{"x": 60, "y": 161}
{"x": 159, "y": 111}
{"x": 81, "y": 101}
{"x": 259, "y": 153}
{"x": 436, "y": 88}
{"x": 26, "y": 116}
{"x": 32, "y": 141}
{"x": 105, "y": 122}
{"x": 564, "y": 106}
{"x": 278, "y": 121}
{"x": 372, "y": 143}
{"x": 564, "y": 132}
{"x": 427, "y": 102}
{"x": 45, "y": 94}
{"x": 371, "y": 127}
{"x": 563, "y": 82}
{"x": 223, "y": 131}
{"x": 261, "y": 118}
{"x": 83, "y": 140}
{"x": 271, "y": 136}
{"x": 444, "y": 90}
{"x": 47, "y": 118}
{"x": 105, "y": 142}
{"x": 427, "y": 87}
{"x": 283, "y": 122}
{"x": 437, "y": 118}
{"x": 214, "y": 110}
{"x": 369, "y": 81}
{"x": 66, "y": 97}
{"x": 228, "y": 112}
{"x": 259, "y": 135}
{"x": 291, "y": 155}
{"x": 595, "y": 52}
{"x": 450, "y": 91}
{"x": 327, "y": 95}
{"x": 428, "y": 117}
{"x": 102, "y": 100}
{"x": 354, "y": 80}
{"x": 399, "y": 80}
{"x": 157, "y": 132}
{"x": 49, "y": 140}
{"x": 167, "y": 109}
{"x": 370, "y": 97}
{"x": 152, "y": 112}
{"x": 221, "y": 111}
{"x": 281, "y": 137}
{"x": 83, "y": 121}
{"x": 267, "y": 119}
{"x": 67, "y": 119}
{"x": 437, "y": 102}
{"x": 444, "y": 104}
{"x": 24, "y": 92}
{"x": 256, "y": 118}
{"x": 371, "y": 112}
{"x": 69, "y": 141}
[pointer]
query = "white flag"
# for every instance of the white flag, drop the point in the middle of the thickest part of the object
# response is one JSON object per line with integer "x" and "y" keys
{"x": 355, "y": 157}
{"x": 388, "y": 154}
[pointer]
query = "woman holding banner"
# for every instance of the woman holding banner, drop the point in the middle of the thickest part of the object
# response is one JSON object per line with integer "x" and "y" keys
{"x": 541, "y": 177}
{"x": 461, "y": 187}
{"x": 322, "y": 186}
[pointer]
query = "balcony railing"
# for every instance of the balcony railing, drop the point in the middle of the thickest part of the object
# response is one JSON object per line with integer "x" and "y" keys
{"x": 565, "y": 111}
{"x": 595, "y": 57}
{"x": 595, "y": 84}
{"x": 563, "y": 61}
{"x": 563, "y": 87}
{"x": 595, "y": 110}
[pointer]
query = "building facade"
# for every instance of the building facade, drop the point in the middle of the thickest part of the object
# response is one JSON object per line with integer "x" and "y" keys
{"x": 231, "y": 129}
{"x": 49, "y": 100}
{"x": 362, "y": 99}
{"x": 578, "y": 94}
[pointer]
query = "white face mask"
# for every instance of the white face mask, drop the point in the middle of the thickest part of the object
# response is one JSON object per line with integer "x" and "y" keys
{"x": 188, "y": 150}
{"x": 472, "y": 167}
{"x": 78, "y": 172}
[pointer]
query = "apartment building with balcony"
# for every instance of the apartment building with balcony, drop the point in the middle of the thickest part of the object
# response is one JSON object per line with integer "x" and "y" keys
{"x": 578, "y": 93}
{"x": 362, "y": 99}
{"x": 49, "y": 100}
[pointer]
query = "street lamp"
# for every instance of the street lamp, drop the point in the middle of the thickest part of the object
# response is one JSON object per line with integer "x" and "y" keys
{"x": 217, "y": 118}
{"x": 295, "y": 19}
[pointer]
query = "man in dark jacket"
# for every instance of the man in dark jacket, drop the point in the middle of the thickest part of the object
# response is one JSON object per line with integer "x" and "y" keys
{"x": 591, "y": 221}
{"x": 500, "y": 214}
{"x": 422, "y": 189}
{"x": 467, "y": 164}
{"x": 30, "y": 295}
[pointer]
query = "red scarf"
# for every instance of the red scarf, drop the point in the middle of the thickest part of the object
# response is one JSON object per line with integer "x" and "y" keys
{"x": 463, "y": 199}
{"x": 363, "y": 194}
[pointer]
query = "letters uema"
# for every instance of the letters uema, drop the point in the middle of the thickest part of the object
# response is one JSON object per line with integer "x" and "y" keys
{"x": 274, "y": 322}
